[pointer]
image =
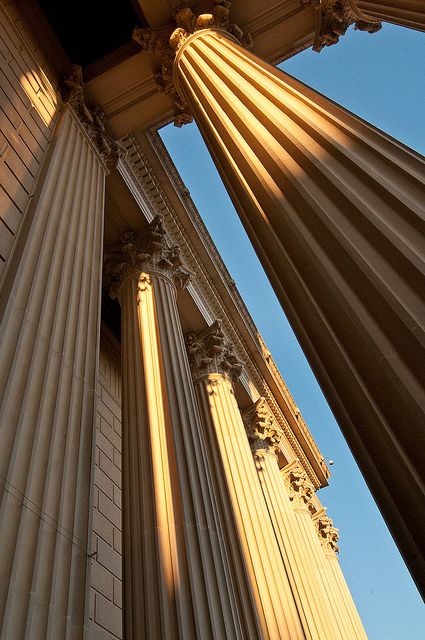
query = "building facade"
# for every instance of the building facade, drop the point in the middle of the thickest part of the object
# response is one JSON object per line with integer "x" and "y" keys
{"x": 157, "y": 478}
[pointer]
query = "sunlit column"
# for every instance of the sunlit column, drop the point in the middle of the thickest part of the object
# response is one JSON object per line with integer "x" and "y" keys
{"x": 407, "y": 13}
{"x": 339, "y": 592}
{"x": 300, "y": 492}
{"x": 334, "y": 208}
{"x": 297, "y": 546}
{"x": 266, "y": 602}
{"x": 49, "y": 337}
{"x": 175, "y": 569}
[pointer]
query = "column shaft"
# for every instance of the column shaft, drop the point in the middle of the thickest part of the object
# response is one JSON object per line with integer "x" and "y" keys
{"x": 298, "y": 550}
{"x": 406, "y": 13}
{"x": 333, "y": 207}
{"x": 265, "y": 591}
{"x": 177, "y": 577}
{"x": 48, "y": 351}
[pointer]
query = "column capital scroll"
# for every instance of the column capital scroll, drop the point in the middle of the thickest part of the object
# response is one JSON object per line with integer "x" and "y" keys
{"x": 149, "y": 253}
{"x": 163, "y": 44}
{"x": 328, "y": 534}
{"x": 301, "y": 489}
{"x": 210, "y": 353}
{"x": 333, "y": 17}
{"x": 92, "y": 119}
{"x": 261, "y": 428}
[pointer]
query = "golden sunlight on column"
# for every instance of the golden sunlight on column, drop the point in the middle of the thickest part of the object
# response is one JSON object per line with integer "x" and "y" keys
{"x": 334, "y": 209}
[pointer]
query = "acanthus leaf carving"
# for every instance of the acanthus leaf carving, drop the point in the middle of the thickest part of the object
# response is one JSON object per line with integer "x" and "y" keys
{"x": 328, "y": 534}
{"x": 149, "y": 252}
{"x": 210, "y": 353}
{"x": 333, "y": 17}
{"x": 262, "y": 431}
{"x": 300, "y": 488}
{"x": 91, "y": 118}
{"x": 164, "y": 43}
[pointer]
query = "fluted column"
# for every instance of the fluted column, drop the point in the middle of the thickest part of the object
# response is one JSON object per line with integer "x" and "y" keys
{"x": 297, "y": 546}
{"x": 264, "y": 593}
{"x": 49, "y": 337}
{"x": 300, "y": 491}
{"x": 406, "y": 13}
{"x": 334, "y": 209}
{"x": 176, "y": 571}
{"x": 338, "y": 590}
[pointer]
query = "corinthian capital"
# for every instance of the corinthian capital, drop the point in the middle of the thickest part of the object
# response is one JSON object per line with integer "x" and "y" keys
{"x": 333, "y": 17}
{"x": 91, "y": 118}
{"x": 164, "y": 44}
{"x": 262, "y": 431}
{"x": 150, "y": 252}
{"x": 300, "y": 488}
{"x": 328, "y": 534}
{"x": 209, "y": 352}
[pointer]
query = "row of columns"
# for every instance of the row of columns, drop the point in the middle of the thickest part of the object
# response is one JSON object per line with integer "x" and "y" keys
{"x": 334, "y": 209}
{"x": 214, "y": 545}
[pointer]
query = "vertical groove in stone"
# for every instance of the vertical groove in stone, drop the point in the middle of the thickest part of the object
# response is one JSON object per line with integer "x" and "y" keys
{"x": 342, "y": 597}
{"x": 49, "y": 341}
{"x": 334, "y": 209}
{"x": 297, "y": 551}
{"x": 270, "y": 592}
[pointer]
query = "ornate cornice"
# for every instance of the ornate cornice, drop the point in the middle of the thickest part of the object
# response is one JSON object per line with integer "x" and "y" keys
{"x": 262, "y": 430}
{"x": 151, "y": 253}
{"x": 210, "y": 353}
{"x": 300, "y": 489}
{"x": 164, "y": 44}
{"x": 92, "y": 119}
{"x": 328, "y": 535}
{"x": 333, "y": 17}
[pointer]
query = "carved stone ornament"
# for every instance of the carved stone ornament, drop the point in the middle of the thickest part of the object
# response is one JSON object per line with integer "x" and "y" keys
{"x": 92, "y": 119}
{"x": 328, "y": 534}
{"x": 261, "y": 428}
{"x": 333, "y": 17}
{"x": 209, "y": 352}
{"x": 150, "y": 252}
{"x": 163, "y": 44}
{"x": 300, "y": 488}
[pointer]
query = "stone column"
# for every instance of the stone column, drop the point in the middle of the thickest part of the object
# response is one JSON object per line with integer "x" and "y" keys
{"x": 406, "y": 13}
{"x": 334, "y": 208}
{"x": 176, "y": 581}
{"x": 266, "y": 602}
{"x": 298, "y": 547}
{"x": 338, "y": 590}
{"x": 300, "y": 491}
{"x": 49, "y": 336}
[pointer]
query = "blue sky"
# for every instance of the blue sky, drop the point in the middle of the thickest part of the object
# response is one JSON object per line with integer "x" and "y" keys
{"x": 381, "y": 77}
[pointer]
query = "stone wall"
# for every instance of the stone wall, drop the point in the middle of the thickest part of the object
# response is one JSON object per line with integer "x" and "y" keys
{"x": 105, "y": 609}
{"x": 28, "y": 106}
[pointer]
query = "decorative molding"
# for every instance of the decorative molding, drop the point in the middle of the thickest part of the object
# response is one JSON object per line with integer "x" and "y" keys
{"x": 300, "y": 489}
{"x": 210, "y": 353}
{"x": 328, "y": 535}
{"x": 333, "y": 17}
{"x": 261, "y": 428}
{"x": 91, "y": 118}
{"x": 163, "y": 44}
{"x": 149, "y": 253}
